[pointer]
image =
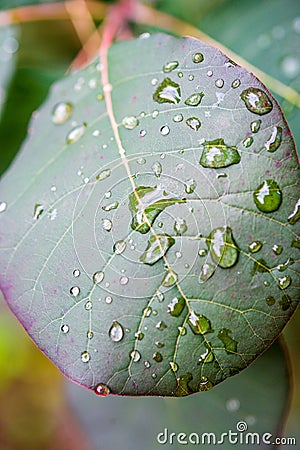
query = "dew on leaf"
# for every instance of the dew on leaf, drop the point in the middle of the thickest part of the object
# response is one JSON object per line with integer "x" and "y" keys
{"x": 165, "y": 130}
{"x": 182, "y": 331}
{"x": 88, "y": 306}
{"x": 154, "y": 81}
{"x": 176, "y": 306}
{"x": 284, "y": 266}
{"x": 255, "y": 246}
{"x": 178, "y": 118}
{"x": 38, "y": 211}
{"x": 190, "y": 186}
{"x": 61, "y": 112}
{"x": 103, "y": 174}
{"x": 277, "y": 249}
{"x": 141, "y": 161}
{"x": 170, "y": 279}
{"x": 157, "y": 356}
{"x": 147, "y": 364}
{"x": 167, "y": 92}
{"x": 285, "y": 302}
{"x": 223, "y": 249}
{"x": 230, "y": 344}
{"x": 76, "y": 273}
{"x": 135, "y": 355}
{"x": 267, "y": 196}
{"x": 174, "y": 366}
{"x": 75, "y": 134}
{"x": 191, "y": 77}
{"x": 147, "y": 311}
{"x": 98, "y": 277}
{"x": 169, "y": 66}
{"x": 198, "y": 323}
{"x": 255, "y": 126}
{"x": 274, "y": 140}
{"x": 180, "y": 74}
{"x": 108, "y": 299}
{"x": 124, "y": 280}
{"x": 65, "y": 328}
{"x": 90, "y": 334}
{"x": 130, "y": 122}
{"x": 284, "y": 282}
{"x": 202, "y": 252}
{"x": 161, "y": 325}
{"x": 160, "y": 296}
{"x": 247, "y": 142}
{"x": 159, "y": 344}
{"x": 216, "y": 154}
{"x": 155, "y": 113}
{"x": 143, "y": 133}
{"x": 85, "y": 357}
{"x": 75, "y": 291}
{"x": 110, "y": 206}
{"x": 119, "y": 247}
{"x": 139, "y": 336}
{"x": 157, "y": 169}
{"x": 107, "y": 224}
{"x": 157, "y": 247}
{"x": 180, "y": 226}
{"x": 204, "y": 385}
{"x": 236, "y": 83}
{"x": 256, "y": 101}
{"x": 232, "y": 405}
{"x": 207, "y": 271}
{"x": 197, "y": 58}
{"x": 193, "y": 123}
{"x": 295, "y": 216}
{"x": 102, "y": 389}
{"x": 116, "y": 332}
{"x": 219, "y": 82}
{"x": 209, "y": 73}
{"x": 194, "y": 99}
{"x": 270, "y": 300}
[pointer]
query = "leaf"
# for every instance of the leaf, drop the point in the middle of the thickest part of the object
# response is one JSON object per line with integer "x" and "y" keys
{"x": 95, "y": 294}
{"x": 8, "y": 47}
{"x": 247, "y": 398}
{"x": 9, "y": 4}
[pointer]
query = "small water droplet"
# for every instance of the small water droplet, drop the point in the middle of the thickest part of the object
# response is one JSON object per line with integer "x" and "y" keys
{"x": 102, "y": 389}
{"x": 103, "y": 174}
{"x": 160, "y": 296}
{"x": 147, "y": 364}
{"x": 88, "y": 306}
{"x": 198, "y": 323}
{"x": 90, "y": 334}
{"x": 157, "y": 247}
{"x": 107, "y": 224}
{"x": 284, "y": 282}
{"x": 135, "y": 355}
{"x": 157, "y": 169}
{"x": 202, "y": 252}
{"x": 193, "y": 123}
{"x": 116, "y": 332}
{"x": 216, "y": 154}
{"x": 180, "y": 74}
{"x": 219, "y": 83}
{"x": 75, "y": 291}
{"x": 61, "y": 112}
{"x": 174, "y": 366}
{"x": 256, "y": 101}
{"x": 170, "y": 279}
{"x": 255, "y": 246}
{"x": 180, "y": 226}
{"x": 223, "y": 248}
{"x": 207, "y": 271}
{"x": 169, "y": 66}
{"x": 85, "y": 357}
{"x": 167, "y": 92}
{"x": 124, "y": 280}
{"x": 76, "y": 273}
{"x": 285, "y": 302}
{"x": 161, "y": 325}
{"x": 247, "y": 142}
{"x": 165, "y": 130}
{"x": 143, "y": 133}
{"x": 274, "y": 140}
{"x": 110, "y": 206}
{"x": 176, "y": 306}
{"x": 267, "y": 197}
{"x": 255, "y": 126}
{"x": 236, "y": 83}
{"x": 96, "y": 133}
{"x": 147, "y": 311}
{"x": 98, "y": 277}
{"x": 209, "y": 73}
{"x": 38, "y": 211}
{"x": 190, "y": 186}
{"x": 75, "y": 134}
{"x": 194, "y": 99}
{"x": 155, "y": 114}
{"x": 65, "y": 328}
{"x": 277, "y": 249}
{"x": 182, "y": 331}
{"x": 197, "y": 58}
{"x": 178, "y": 118}
{"x": 182, "y": 389}
{"x": 157, "y": 357}
{"x": 270, "y": 300}
{"x": 139, "y": 336}
{"x": 230, "y": 344}
{"x": 119, "y": 247}
{"x": 130, "y": 122}
{"x": 154, "y": 81}
{"x": 295, "y": 216}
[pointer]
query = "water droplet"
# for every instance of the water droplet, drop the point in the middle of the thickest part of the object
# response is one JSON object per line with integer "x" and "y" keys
{"x": 217, "y": 154}
{"x": 197, "y": 58}
{"x": 146, "y": 203}
{"x": 75, "y": 291}
{"x": 223, "y": 248}
{"x": 3, "y": 206}
{"x": 154, "y": 81}
{"x": 296, "y": 243}
{"x": 255, "y": 246}
{"x": 147, "y": 311}
{"x": 165, "y": 130}
{"x": 182, "y": 331}
{"x": 204, "y": 385}
{"x": 182, "y": 388}
{"x": 194, "y": 99}
{"x": 161, "y": 325}
{"x": 98, "y": 277}
{"x": 119, "y": 247}
{"x": 169, "y": 66}
{"x": 230, "y": 344}
{"x": 270, "y": 300}
{"x": 167, "y": 92}
{"x": 180, "y": 226}
{"x": 116, "y": 332}
{"x": 193, "y": 123}
{"x": 247, "y": 142}
{"x": 176, "y": 306}
{"x": 135, "y": 355}
{"x": 130, "y": 122}
{"x": 143, "y": 133}
{"x": 256, "y": 101}
{"x": 159, "y": 344}
{"x": 277, "y": 249}
{"x": 75, "y": 134}
{"x": 124, "y": 280}
{"x": 284, "y": 282}
{"x": 155, "y": 113}
{"x": 61, "y": 112}
{"x": 103, "y": 174}
{"x": 160, "y": 296}
{"x": 202, "y": 252}
{"x": 268, "y": 196}
{"x": 157, "y": 357}
{"x": 85, "y": 357}
{"x": 207, "y": 271}
{"x": 255, "y": 126}
{"x": 170, "y": 279}
{"x": 76, "y": 273}
{"x": 139, "y": 336}
{"x": 107, "y": 224}
{"x": 90, "y": 334}
{"x": 284, "y": 266}
{"x": 157, "y": 169}
{"x": 198, "y": 323}
{"x": 102, "y": 390}
{"x": 209, "y": 73}
{"x": 285, "y": 302}
{"x": 96, "y": 133}
{"x": 174, "y": 366}
{"x": 219, "y": 83}
{"x": 178, "y": 118}
{"x": 190, "y": 186}
{"x": 180, "y": 74}
{"x": 38, "y": 211}
{"x": 147, "y": 364}
{"x": 110, "y": 206}
{"x": 208, "y": 356}
{"x": 295, "y": 216}
{"x": 236, "y": 83}
{"x": 157, "y": 247}
{"x": 65, "y": 328}
{"x": 88, "y": 306}
{"x": 274, "y": 140}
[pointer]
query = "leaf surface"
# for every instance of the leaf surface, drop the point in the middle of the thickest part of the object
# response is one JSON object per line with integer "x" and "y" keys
{"x": 149, "y": 240}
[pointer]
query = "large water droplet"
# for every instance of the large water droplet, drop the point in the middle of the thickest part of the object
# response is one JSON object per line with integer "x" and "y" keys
{"x": 194, "y": 99}
{"x": 199, "y": 324}
{"x": 61, "y": 112}
{"x": 255, "y": 246}
{"x": 256, "y": 101}
{"x": 103, "y": 174}
{"x": 180, "y": 226}
{"x": 295, "y": 216}
{"x": 176, "y": 306}
{"x": 119, "y": 247}
{"x": 284, "y": 282}
{"x": 107, "y": 224}
{"x": 157, "y": 247}
{"x": 98, "y": 277}
{"x": 85, "y": 357}
{"x": 230, "y": 344}
{"x": 102, "y": 389}
{"x": 255, "y": 126}
{"x": 135, "y": 355}
{"x": 167, "y": 92}
{"x": 268, "y": 196}
{"x": 274, "y": 140}
{"x": 75, "y": 134}
{"x": 193, "y": 123}
{"x": 198, "y": 58}
{"x": 207, "y": 271}
{"x": 169, "y": 66}
{"x": 223, "y": 249}
{"x": 116, "y": 332}
{"x": 217, "y": 154}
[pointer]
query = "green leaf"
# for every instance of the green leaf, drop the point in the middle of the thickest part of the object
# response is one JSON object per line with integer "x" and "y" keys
{"x": 247, "y": 398}
{"x": 109, "y": 218}
{"x": 9, "y": 4}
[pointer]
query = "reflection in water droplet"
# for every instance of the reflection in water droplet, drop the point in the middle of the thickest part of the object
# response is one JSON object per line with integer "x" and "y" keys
{"x": 255, "y": 246}
{"x": 167, "y": 92}
{"x": 176, "y": 306}
{"x": 207, "y": 271}
{"x": 256, "y": 101}
{"x": 204, "y": 385}
{"x": 178, "y": 118}
{"x": 180, "y": 226}
{"x": 169, "y": 66}
{"x": 103, "y": 174}
{"x": 274, "y": 140}
{"x": 165, "y": 130}
{"x": 284, "y": 282}
{"x": 193, "y": 123}
{"x": 3, "y": 206}
{"x": 255, "y": 126}
{"x": 190, "y": 186}
{"x": 157, "y": 169}
{"x": 110, "y": 206}
{"x": 198, "y": 323}
{"x": 75, "y": 291}
{"x": 135, "y": 355}
{"x": 65, "y": 328}
{"x": 98, "y": 277}
{"x": 247, "y": 142}
{"x": 157, "y": 247}
{"x": 236, "y": 83}
{"x": 119, "y": 247}
{"x": 116, "y": 332}
{"x": 295, "y": 216}
{"x": 85, "y": 357}
{"x": 61, "y": 112}
{"x": 124, "y": 280}
{"x": 157, "y": 357}
{"x": 268, "y": 196}
{"x": 107, "y": 224}
{"x": 216, "y": 154}
{"x": 219, "y": 83}
{"x": 230, "y": 344}
{"x": 194, "y": 99}
{"x": 75, "y": 134}
{"x": 102, "y": 389}
{"x": 223, "y": 248}
{"x": 197, "y": 58}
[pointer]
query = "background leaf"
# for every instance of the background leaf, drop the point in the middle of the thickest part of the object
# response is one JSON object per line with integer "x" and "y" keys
{"x": 9, "y": 4}
{"x": 8, "y": 48}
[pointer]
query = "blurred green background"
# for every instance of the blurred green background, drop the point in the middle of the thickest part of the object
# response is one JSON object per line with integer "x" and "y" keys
{"x": 38, "y": 408}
